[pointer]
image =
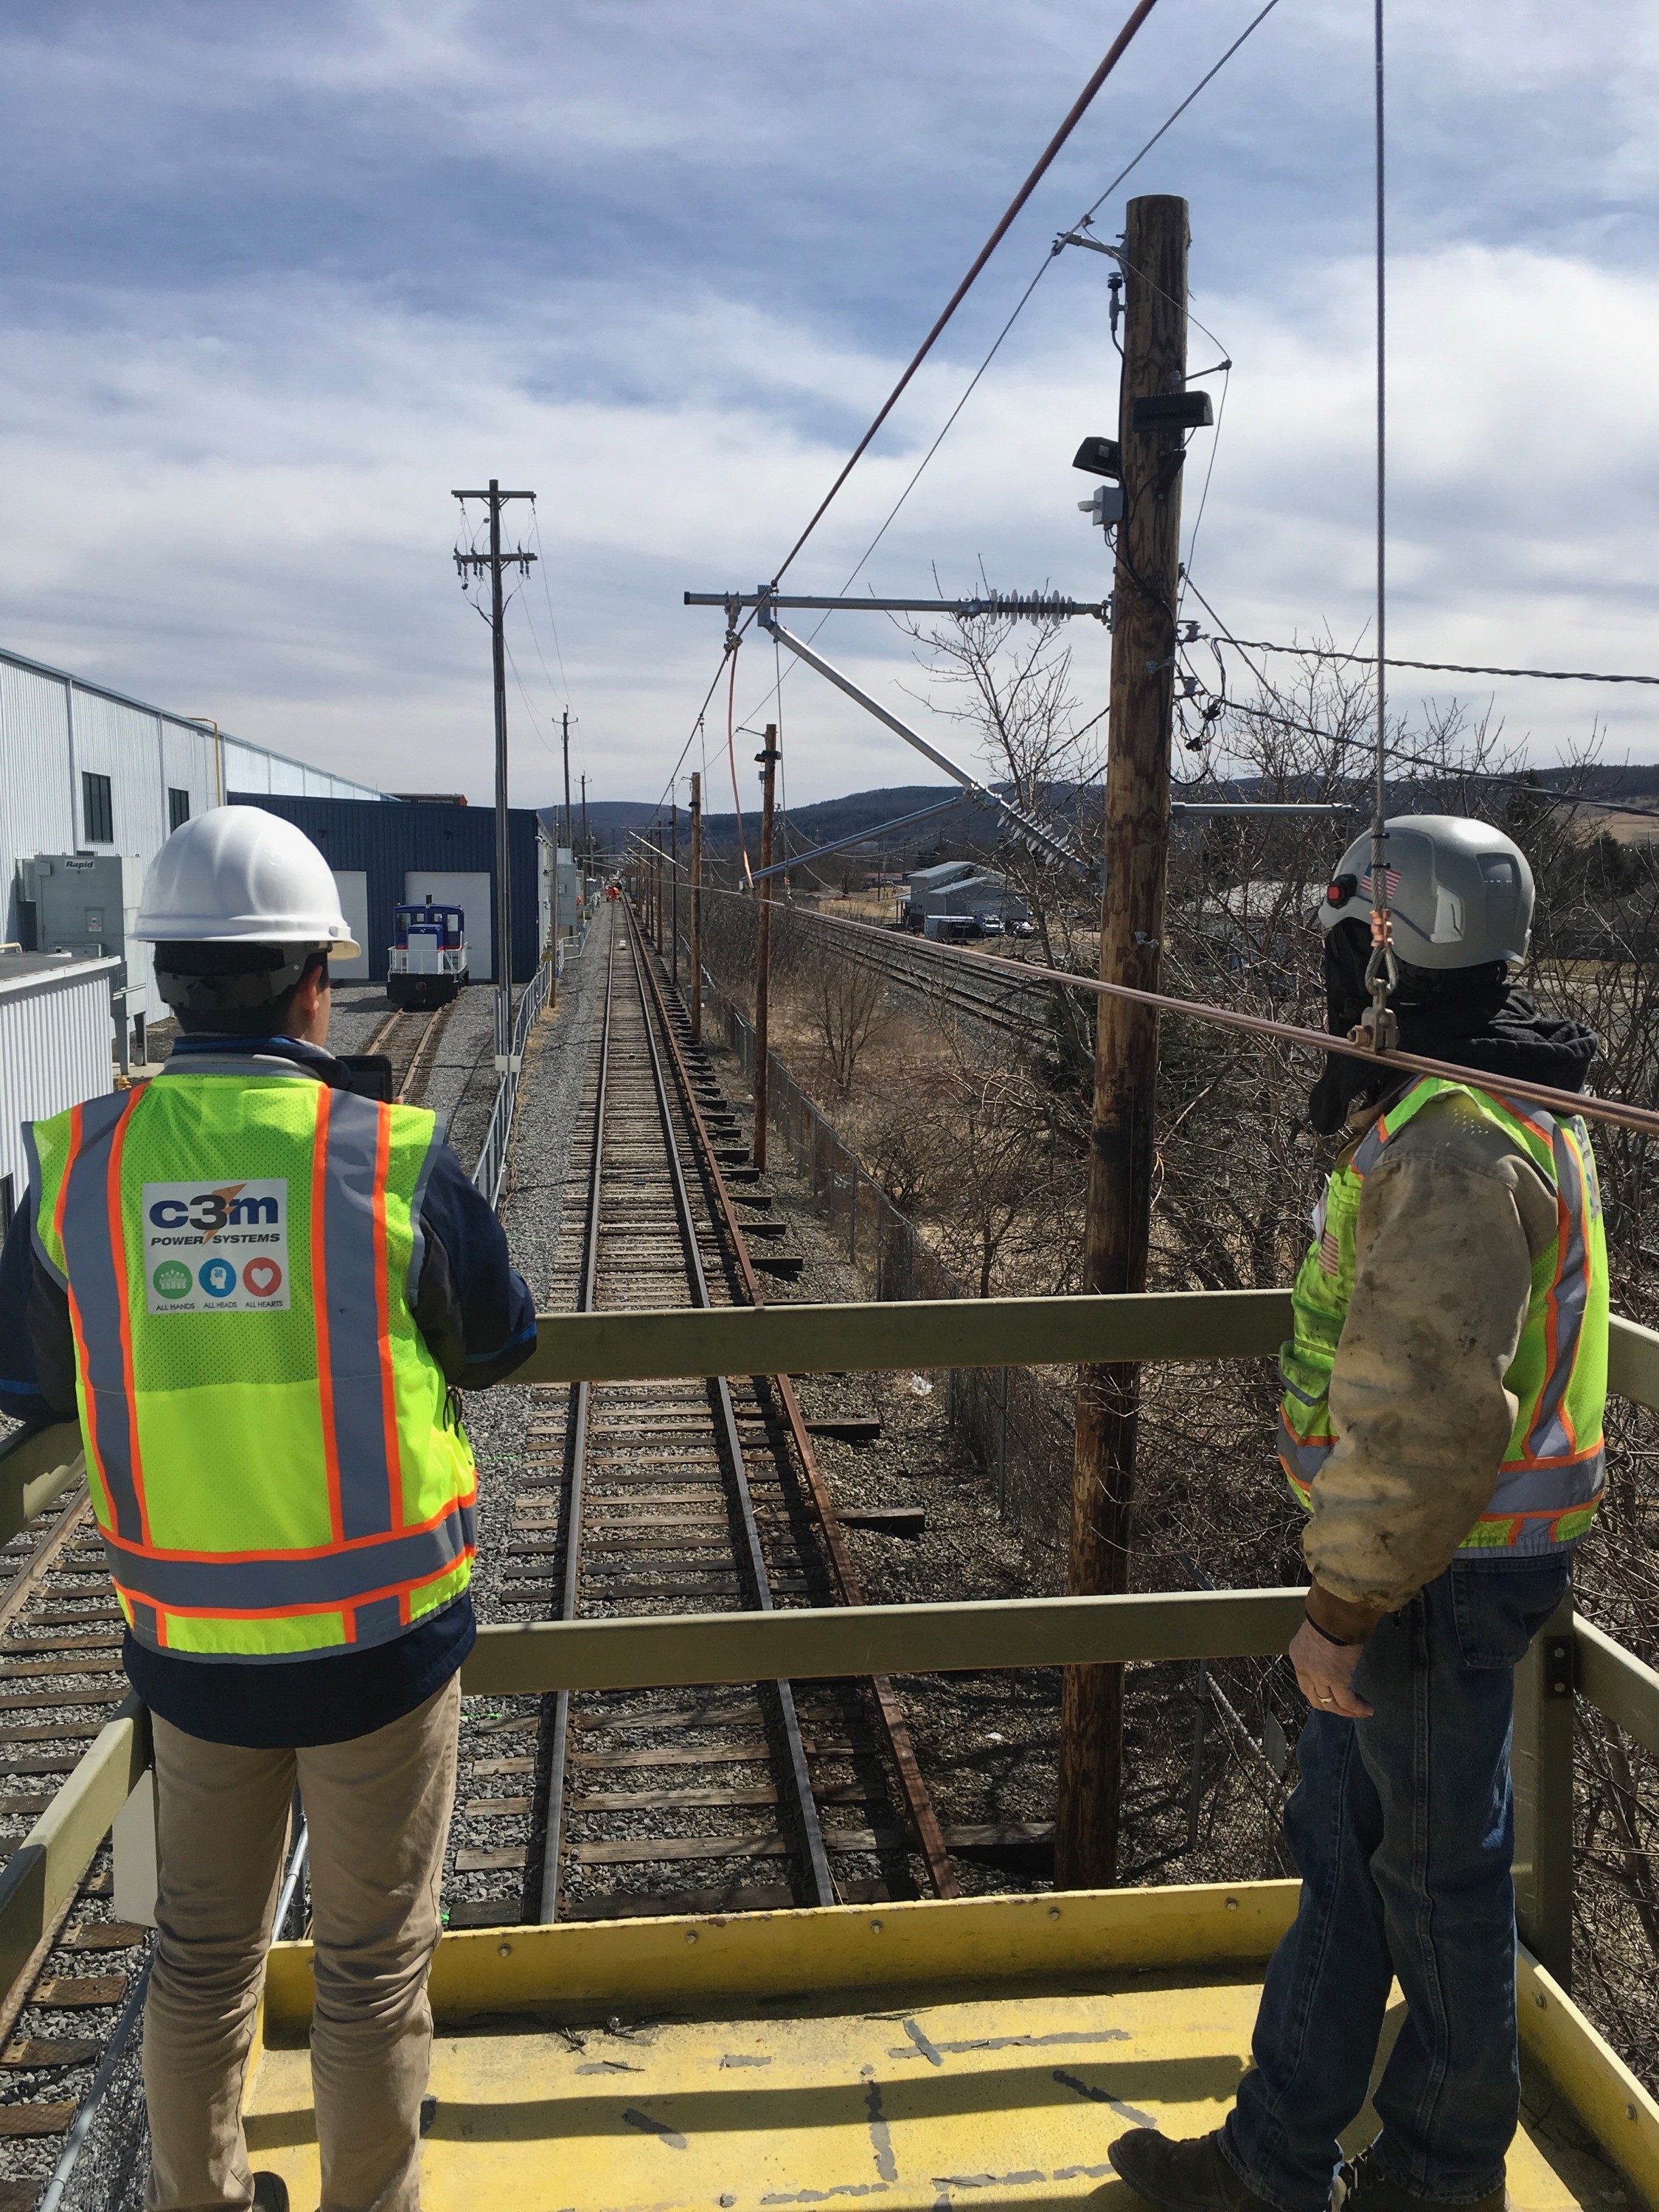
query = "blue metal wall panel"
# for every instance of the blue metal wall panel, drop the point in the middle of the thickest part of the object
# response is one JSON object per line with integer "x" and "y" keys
{"x": 386, "y": 841}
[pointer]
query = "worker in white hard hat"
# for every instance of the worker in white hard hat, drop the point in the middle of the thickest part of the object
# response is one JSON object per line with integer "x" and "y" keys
{"x": 1442, "y": 1425}
{"x": 261, "y": 1292}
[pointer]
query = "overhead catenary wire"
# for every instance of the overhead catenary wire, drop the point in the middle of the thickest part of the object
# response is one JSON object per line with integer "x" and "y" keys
{"x": 1024, "y": 300}
{"x": 1210, "y": 75}
{"x": 1397, "y": 752}
{"x": 553, "y": 620}
{"x": 1381, "y": 970}
{"x": 1439, "y": 667}
{"x": 1446, "y": 770}
{"x": 732, "y": 756}
{"x": 1074, "y": 115}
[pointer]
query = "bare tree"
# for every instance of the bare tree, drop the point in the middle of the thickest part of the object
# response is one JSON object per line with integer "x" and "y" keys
{"x": 847, "y": 1007}
{"x": 1009, "y": 681}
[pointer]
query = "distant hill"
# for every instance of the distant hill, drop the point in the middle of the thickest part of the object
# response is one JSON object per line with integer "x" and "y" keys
{"x": 972, "y": 827}
{"x": 819, "y": 823}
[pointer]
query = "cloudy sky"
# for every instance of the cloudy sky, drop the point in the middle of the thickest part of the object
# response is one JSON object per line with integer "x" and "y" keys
{"x": 277, "y": 278}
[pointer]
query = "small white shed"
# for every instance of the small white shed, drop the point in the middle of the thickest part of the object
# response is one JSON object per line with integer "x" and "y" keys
{"x": 56, "y": 1032}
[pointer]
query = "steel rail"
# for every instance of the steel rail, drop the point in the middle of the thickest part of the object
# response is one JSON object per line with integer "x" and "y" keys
{"x": 553, "y": 1839}
{"x": 1000, "y": 1009}
{"x": 381, "y": 1035}
{"x": 930, "y": 1840}
{"x": 801, "y": 1779}
{"x": 52, "y": 1542}
{"x": 425, "y": 1045}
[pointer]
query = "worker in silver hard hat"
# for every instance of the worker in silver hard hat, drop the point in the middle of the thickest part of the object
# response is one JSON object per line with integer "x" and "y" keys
{"x": 257, "y": 1286}
{"x": 1441, "y": 1422}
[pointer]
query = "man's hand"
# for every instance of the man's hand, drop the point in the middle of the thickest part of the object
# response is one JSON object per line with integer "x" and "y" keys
{"x": 1324, "y": 1674}
{"x": 1324, "y": 1669}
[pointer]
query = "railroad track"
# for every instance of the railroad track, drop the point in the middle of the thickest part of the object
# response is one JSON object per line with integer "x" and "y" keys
{"x": 60, "y": 1679}
{"x": 910, "y": 965}
{"x": 682, "y": 1497}
{"x": 410, "y": 1038}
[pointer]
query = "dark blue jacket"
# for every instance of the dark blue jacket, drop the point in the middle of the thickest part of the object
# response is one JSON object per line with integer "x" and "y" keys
{"x": 479, "y": 1322}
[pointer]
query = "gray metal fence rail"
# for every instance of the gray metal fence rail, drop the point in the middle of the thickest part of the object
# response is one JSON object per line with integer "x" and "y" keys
{"x": 491, "y": 1170}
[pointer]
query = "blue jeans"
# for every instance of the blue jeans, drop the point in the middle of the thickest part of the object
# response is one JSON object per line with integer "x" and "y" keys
{"x": 1402, "y": 1827}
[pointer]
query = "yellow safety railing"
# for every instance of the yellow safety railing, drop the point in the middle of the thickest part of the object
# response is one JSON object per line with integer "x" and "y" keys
{"x": 1570, "y": 1657}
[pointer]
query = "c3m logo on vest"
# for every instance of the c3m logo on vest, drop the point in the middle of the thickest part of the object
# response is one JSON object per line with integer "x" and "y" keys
{"x": 222, "y": 1249}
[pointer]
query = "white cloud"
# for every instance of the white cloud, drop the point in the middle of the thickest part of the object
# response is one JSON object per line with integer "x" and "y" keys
{"x": 230, "y": 463}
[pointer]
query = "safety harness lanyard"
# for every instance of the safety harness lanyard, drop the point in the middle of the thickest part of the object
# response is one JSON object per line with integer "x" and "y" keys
{"x": 1381, "y": 969}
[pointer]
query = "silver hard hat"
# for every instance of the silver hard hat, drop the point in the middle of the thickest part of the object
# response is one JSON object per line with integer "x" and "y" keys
{"x": 1460, "y": 891}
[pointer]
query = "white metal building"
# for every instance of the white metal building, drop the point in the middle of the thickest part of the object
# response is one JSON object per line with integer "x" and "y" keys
{"x": 960, "y": 887}
{"x": 54, "y": 1049}
{"x": 86, "y": 770}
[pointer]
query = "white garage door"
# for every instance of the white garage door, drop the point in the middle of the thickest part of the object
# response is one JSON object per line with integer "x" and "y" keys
{"x": 471, "y": 895}
{"x": 352, "y": 885}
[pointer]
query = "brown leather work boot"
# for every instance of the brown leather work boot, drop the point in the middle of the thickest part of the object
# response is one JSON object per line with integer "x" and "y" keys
{"x": 1181, "y": 2177}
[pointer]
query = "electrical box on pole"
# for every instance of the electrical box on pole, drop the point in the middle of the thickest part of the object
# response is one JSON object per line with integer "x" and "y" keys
{"x": 1155, "y": 412}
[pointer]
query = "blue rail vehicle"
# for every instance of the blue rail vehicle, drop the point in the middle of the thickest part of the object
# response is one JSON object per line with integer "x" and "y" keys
{"x": 426, "y": 965}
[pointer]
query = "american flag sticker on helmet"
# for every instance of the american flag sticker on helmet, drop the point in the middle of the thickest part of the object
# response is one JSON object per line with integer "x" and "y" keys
{"x": 1390, "y": 882}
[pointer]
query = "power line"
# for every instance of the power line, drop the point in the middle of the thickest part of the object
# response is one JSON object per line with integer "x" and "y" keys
{"x": 528, "y": 704}
{"x": 1128, "y": 170}
{"x": 1424, "y": 761}
{"x": 558, "y": 653}
{"x": 1176, "y": 114}
{"x": 1449, "y": 770}
{"x": 1042, "y": 268}
{"x": 1079, "y": 108}
{"x": 1442, "y": 667}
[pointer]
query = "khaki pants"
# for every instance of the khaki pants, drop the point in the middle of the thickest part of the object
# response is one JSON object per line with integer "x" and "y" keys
{"x": 378, "y": 1809}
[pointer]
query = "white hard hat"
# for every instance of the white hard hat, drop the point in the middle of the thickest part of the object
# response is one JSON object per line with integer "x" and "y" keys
{"x": 1460, "y": 891}
{"x": 237, "y": 874}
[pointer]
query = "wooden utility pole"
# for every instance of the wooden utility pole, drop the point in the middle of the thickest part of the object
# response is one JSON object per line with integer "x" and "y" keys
{"x": 569, "y": 827}
{"x": 1118, "y": 1220}
{"x": 674, "y": 891}
{"x": 769, "y": 760}
{"x": 491, "y": 563}
{"x": 696, "y": 907}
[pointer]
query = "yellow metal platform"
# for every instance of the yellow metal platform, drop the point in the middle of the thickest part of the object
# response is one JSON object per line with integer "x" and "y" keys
{"x": 983, "y": 2052}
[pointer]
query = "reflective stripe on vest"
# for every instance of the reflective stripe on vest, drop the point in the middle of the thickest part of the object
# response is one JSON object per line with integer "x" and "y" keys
{"x": 1552, "y": 1473}
{"x": 331, "y": 1507}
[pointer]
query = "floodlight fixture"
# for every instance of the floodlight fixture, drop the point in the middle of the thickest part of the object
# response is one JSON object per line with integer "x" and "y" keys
{"x": 1099, "y": 457}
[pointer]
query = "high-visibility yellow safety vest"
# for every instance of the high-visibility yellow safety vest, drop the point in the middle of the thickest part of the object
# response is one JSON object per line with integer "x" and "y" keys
{"x": 274, "y": 1457}
{"x": 1553, "y": 1469}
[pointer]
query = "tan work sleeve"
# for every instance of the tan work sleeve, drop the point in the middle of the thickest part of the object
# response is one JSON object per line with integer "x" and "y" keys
{"x": 1449, "y": 1226}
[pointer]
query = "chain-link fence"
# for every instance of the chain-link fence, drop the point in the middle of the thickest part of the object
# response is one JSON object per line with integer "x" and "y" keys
{"x": 1016, "y": 1421}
